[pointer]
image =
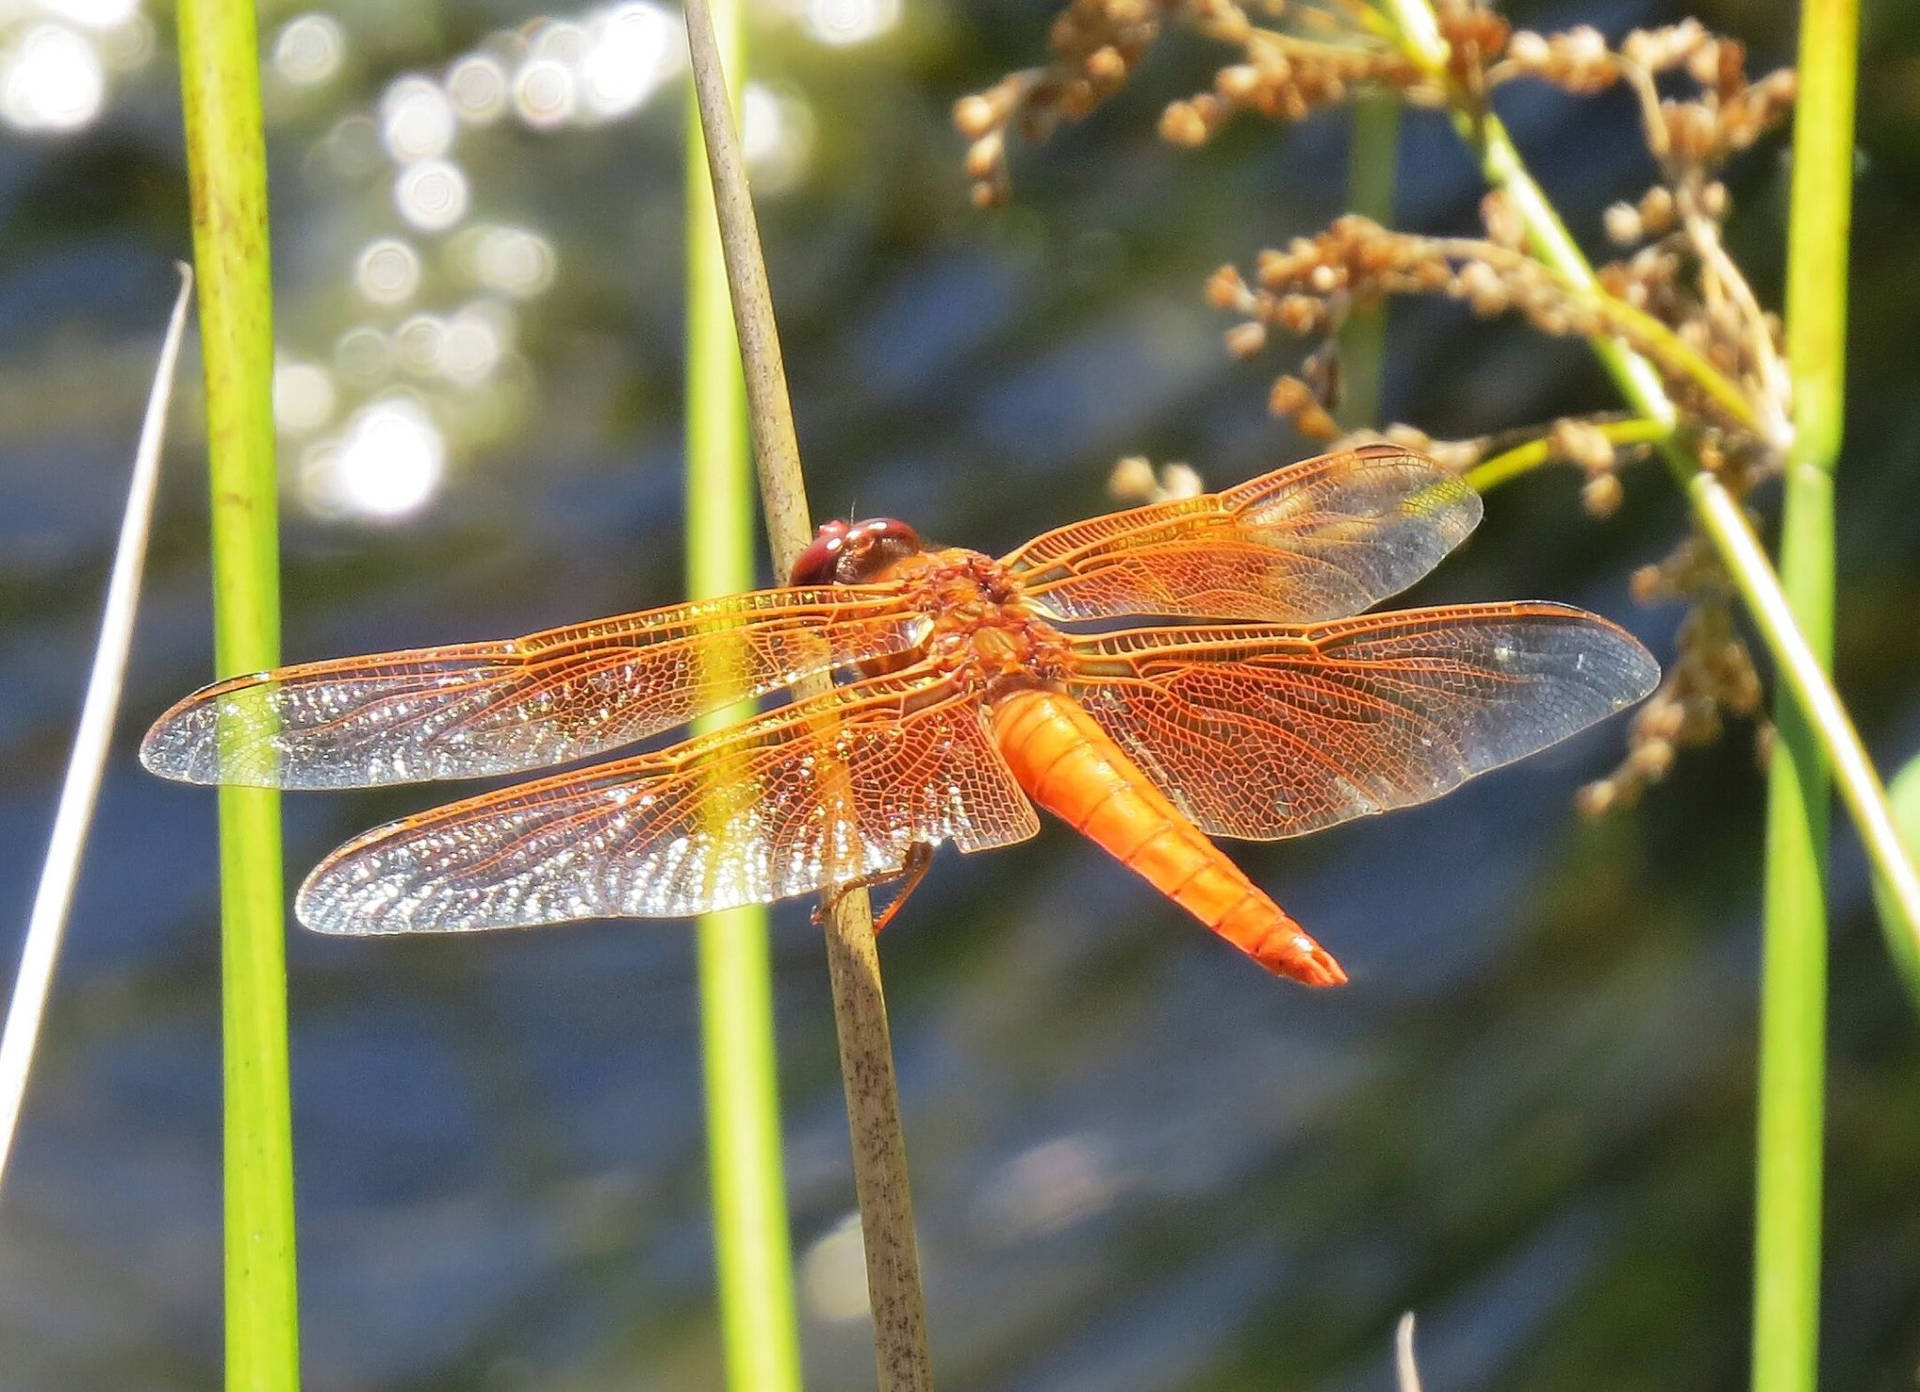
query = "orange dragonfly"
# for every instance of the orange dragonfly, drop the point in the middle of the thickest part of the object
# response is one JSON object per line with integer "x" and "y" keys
{"x": 968, "y": 689}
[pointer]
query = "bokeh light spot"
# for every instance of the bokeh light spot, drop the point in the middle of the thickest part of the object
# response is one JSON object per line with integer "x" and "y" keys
{"x": 843, "y": 22}
{"x": 544, "y": 93}
{"x": 477, "y": 88}
{"x": 94, "y": 14}
{"x": 776, "y": 137}
{"x": 633, "y": 49}
{"x": 512, "y": 259}
{"x": 362, "y": 356}
{"x": 833, "y": 1274}
{"x": 386, "y": 465}
{"x": 476, "y": 337}
{"x": 387, "y": 271}
{"x": 310, "y": 49}
{"x": 303, "y": 396}
{"x": 431, "y": 194}
{"x": 53, "y": 80}
{"x": 416, "y": 119}
{"x": 420, "y": 343}
{"x": 561, "y": 40}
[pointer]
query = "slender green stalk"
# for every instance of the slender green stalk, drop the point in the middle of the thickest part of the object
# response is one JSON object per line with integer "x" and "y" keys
{"x": 1793, "y": 1001}
{"x": 1903, "y": 791}
{"x": 880, "y": 1175}
{"x": 227, "y": 169}
{"x": 752, "y": 1247}
{"x": 1508, "y": 465}
{"x": 1370, "y": 178}
{"x": 1718, "y": 512}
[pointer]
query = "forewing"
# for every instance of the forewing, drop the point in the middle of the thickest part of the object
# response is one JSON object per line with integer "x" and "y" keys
{"x": 1317, "y": 540}
{"x": 830, "y": 790}
{"x": 490, "y": 708}
{"x": 1266, "y": 731}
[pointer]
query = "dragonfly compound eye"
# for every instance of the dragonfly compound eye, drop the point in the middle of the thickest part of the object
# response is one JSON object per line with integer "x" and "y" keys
{"x": 817, "y": 563}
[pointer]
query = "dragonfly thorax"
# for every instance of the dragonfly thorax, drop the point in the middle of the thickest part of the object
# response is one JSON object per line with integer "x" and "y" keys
{"x": 982, "y": 626}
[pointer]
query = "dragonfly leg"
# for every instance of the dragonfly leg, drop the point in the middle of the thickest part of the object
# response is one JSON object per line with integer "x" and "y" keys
{"x": 911, "y": 872}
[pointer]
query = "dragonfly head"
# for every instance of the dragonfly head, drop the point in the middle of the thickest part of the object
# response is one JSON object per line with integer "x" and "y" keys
{"x": 852, "y": 553}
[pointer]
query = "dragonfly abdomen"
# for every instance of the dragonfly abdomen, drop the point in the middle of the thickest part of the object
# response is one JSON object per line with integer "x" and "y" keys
{"x": 1073, "y": 768}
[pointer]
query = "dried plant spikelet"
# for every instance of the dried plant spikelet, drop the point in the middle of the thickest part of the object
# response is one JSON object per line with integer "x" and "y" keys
{"x": 1704, "y": 64}
{"x": 1581, "y": 443}
{"x": 1657, "y": 210}
{"x": 1412, "y": 437}
{"x": 1602, "y": 495}
{"x": 1529, "y": 50}
{"x": 1455, "y": 456}
{"x": 1106, "y": 67}
{"x": 1132, "y": 480}
{"x": 1648, "y": 585}
{"x": 1505, "y": 227}
{"x": 1661, "y": 717}
{"x": 1623, "y": 225}
{"x": 1181, "y": 480}
{"x": 1227, "y": 290}
{"x": 1184, "y": 123}
{"x": 984, "y": 156}
{"x": 974, "y": 116}
{"x": 1597, "y": 798}
{"x": 1651, "y": 760}
{"x": 1246, "y": 340}
{"x": 1238, "y": 83}
{"x": 1289, "y": 395}
{"x": 1657, "y": 50}
{"x": 1293, "y": 400}
{"x": 1483, "y": 289}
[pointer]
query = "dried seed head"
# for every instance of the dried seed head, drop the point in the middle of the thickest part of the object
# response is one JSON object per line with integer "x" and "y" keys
{"x": 1246, "y": 340}
{"x": 974, "y": 116}
{"x": 1182, "y": 124}
{"x": 1601, "y": 495}
{"x": 1226, "y": 290}
{"x": 1132, "y": 480}
{"x": 1505, "y": 227}
{"x": 1180, "y": 480}
{"x": 1623, "y": 225}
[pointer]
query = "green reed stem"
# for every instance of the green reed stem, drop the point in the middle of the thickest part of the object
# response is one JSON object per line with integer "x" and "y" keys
{"x": 1371, "y": 166}
{"x": 1718, "y": 512}
{"x": 227, "y": 174}
{"x": 752, "y": 1246}
{"x": 1793, "y": 998}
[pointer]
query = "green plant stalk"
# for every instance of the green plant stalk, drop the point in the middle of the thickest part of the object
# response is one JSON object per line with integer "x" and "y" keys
{"x": 752, "y": 1246}
{"x": 1508, "y": 465}
{"x": 1717, "y": 511}
{"x": 227, "y": 173}
{"x": 1370, "y": 179}
{"x": 1793, "y": 999}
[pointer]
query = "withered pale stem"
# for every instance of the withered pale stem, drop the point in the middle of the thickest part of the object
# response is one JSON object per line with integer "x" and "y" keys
{"x": 860, "y": 1010}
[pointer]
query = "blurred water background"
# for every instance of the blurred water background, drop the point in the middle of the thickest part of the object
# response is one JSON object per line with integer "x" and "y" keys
{"x": 1139, "y": 1163}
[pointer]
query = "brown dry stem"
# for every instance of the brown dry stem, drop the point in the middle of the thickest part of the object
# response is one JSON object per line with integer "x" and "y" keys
{"x": 860, "y": 1012}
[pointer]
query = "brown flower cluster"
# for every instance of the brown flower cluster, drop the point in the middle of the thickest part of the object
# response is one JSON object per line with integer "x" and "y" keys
{"x": 1292, "y": 58}
{"x": 1710, "y": 677}
{"x": 1674, "y": 295}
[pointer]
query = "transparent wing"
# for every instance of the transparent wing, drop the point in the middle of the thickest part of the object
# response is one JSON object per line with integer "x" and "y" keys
{"x": 1267, "y": 731}
{"x": 1317, "y": 540}
{"x": 479, "y": 709}
{"x": 752, "y": 814}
